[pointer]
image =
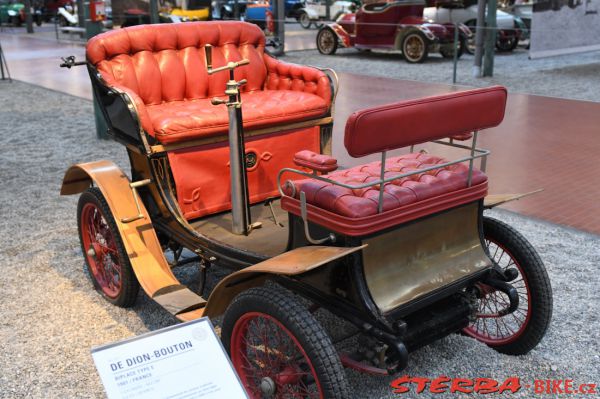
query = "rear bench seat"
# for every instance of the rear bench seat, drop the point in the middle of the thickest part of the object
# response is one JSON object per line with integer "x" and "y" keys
{"x": 354, "y": 212}
{"x": 163, "y": 70}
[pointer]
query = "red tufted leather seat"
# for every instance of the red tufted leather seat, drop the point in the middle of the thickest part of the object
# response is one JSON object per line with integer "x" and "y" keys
{"x": 398, "y": 193}
{"x": 163, "y": 70}
{"x": 354, "y": 212}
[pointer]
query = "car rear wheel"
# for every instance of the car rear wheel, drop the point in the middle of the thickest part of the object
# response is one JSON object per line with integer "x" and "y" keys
{"x": 507, "y": 45}
{"x": 327, "y": 41}
{"x": 518, "y": 332}
{"x": 278, "y": 348}
{"x": 447, "y": 51}
{"x": 414, "y": 47}
{"x": 304, "y": 20}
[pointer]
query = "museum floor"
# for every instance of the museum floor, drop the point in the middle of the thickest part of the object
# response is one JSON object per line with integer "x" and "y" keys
{"x": 538, "y": 146}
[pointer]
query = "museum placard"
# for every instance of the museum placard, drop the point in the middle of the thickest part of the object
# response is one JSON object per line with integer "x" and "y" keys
{"x": 182, "y": 361}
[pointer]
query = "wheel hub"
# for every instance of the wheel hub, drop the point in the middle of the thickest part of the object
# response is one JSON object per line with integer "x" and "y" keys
{"x": 267, "y": 386}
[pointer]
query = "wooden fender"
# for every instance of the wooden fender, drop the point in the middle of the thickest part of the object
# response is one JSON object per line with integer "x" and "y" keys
{"x": 148, "y": 260}
{"x": 291, "y": 263}
{"x": 139, "y": 238}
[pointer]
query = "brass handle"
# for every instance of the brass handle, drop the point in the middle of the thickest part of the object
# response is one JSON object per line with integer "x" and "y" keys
{"x": 230, "y": 65}
{"x": 217, "y": 101}
{"x": 134, "y": 186}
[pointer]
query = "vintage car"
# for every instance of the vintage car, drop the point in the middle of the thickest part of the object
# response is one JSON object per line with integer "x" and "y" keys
{"x": 511, "y": 28}
{"x": 395, "y": 25}
{"x": 67, "y": 15}
{"x": 192, "y": 10}
{"x": 314, "y": 12}
{"x": 13, "y": 12}
{"x": 231, "y": 170}
{"x": 226, "y": 9}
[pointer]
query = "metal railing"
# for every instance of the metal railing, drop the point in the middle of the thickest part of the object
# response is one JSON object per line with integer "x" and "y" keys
{"x": 475, "y": 153}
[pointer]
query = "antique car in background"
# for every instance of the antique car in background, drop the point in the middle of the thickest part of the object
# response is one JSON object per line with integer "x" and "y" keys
{"x": 511, "y": 28}
{"x": 394, "y": 25}
{"x": 315, "y": 11}
{"x": 231, "y": 166}
{"x": 225, "y": 9}
{"x": 13, "y": 12}
{"x": 192, "y": 10}
{"x": 67, "y": 15}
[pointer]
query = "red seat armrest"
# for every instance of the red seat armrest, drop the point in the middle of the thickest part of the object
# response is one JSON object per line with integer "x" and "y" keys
{"x": 316, "y": 162}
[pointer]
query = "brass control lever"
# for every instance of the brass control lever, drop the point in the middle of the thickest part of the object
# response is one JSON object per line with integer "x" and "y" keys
{"x": 230, "y": 65}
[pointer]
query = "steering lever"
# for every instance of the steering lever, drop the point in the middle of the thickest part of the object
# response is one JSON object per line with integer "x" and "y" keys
{"x": 70, "y": 62}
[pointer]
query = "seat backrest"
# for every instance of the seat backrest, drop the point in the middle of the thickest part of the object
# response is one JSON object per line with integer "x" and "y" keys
{"x": 410, "y": 122}
{"x": 166, "y": 62}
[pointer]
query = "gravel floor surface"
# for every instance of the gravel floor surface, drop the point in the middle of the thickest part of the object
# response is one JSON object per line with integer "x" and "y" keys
{"x": 51, "y": 316}
{"x": 574, "y": 76}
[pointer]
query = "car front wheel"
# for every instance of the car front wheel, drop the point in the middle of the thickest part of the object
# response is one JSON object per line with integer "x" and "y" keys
{"x": 327, "y": 41}
{"x": 414, "y": 47}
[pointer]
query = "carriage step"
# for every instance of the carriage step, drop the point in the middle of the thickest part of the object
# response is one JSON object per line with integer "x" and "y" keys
{"x": 178, "y": 298}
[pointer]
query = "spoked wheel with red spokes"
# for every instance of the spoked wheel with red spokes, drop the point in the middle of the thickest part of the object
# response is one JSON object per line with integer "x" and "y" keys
{"x": 279, "y": 349}
{"x": 518, "y": 332}
{"x": 103, "y": 249}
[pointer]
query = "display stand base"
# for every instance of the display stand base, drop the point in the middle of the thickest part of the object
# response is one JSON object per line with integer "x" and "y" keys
{"x": 4, "y": 72}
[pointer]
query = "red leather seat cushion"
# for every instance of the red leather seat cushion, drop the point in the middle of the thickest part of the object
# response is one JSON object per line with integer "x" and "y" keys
{"x": 447, "y": 186}
{"x": 178, "y": 120}
{"x": 163, "y": 70}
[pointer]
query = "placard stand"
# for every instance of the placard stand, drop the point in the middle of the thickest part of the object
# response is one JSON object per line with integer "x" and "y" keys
{"x": 3, "y": 66}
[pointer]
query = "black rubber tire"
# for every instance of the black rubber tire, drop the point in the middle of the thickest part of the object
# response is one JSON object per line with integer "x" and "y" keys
{"x": 470, "y": 43}
{"x": 129, "y": 283}
{"x": 450, "y": 54}
{"x": 423, "y": 55}
{"x": 537, "y": 279}
{"x": 506, "y": 46}
{"x": 282, "y": 306}
{"x": 334, "y": 44}
{"x": 304, "y": 20}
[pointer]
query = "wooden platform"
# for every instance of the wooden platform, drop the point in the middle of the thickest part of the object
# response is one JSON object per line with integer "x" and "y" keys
{"x": 544, "y": 142}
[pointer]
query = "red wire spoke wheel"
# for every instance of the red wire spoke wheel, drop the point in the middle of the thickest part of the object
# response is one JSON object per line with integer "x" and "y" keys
{"x": 279, "y": 350}
{"x": 518, "y": 332}
{"x": 103, "y": 250}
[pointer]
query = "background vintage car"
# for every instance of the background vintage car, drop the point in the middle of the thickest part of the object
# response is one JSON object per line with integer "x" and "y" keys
{"x": 13, "y": 12}
{"x": 397, "y": 25}
{"x": 225, "y": 9}
{"x": 511, "y": 28}
{"x": 315, "y": 11}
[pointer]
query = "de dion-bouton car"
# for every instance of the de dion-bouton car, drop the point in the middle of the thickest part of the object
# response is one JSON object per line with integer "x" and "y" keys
{"x": 231, "y": 168}
{"x": 394, "y": 25}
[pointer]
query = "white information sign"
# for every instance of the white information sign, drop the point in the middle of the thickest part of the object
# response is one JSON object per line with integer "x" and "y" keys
{"x": 185, "y": 361}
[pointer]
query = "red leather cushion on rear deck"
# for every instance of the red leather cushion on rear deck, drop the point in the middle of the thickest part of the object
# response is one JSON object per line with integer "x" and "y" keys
{"x": 354, "y": 212}
{"x": 177, "y": 120}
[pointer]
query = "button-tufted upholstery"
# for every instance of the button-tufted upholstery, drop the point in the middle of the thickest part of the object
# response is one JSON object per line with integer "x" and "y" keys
{"x": 398, "y": 193}
{"x": 163, "y": 69}
{"x": 355, "y": 212}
